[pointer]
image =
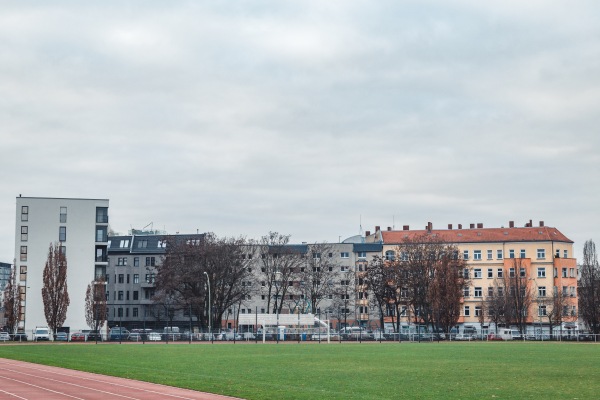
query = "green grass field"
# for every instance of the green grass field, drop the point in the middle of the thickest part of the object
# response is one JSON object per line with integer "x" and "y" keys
{"x": 344, "y": 371}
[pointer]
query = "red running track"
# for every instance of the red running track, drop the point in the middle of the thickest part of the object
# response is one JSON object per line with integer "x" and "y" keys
{"x": 26, "y": 381}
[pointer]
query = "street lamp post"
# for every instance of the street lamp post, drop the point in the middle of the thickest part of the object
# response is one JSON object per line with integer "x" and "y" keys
{"x": 209, "y": 307}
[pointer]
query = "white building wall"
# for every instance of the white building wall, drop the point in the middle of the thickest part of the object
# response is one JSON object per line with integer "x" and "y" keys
{"x": 43, "y": 229}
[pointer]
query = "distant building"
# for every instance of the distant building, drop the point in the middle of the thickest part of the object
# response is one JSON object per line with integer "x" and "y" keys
{"x": 81, "y": 228}
{"x": 5, "y": 269}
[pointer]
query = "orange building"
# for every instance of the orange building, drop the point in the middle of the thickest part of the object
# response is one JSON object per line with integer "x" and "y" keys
{"x": 542, "y": 256}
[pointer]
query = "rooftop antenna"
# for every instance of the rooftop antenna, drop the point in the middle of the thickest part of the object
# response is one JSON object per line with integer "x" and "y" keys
{"x": 360, "y": 230}
{"x": 393, "y": 222}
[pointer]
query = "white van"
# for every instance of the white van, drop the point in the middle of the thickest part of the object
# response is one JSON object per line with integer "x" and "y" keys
{"x": 41, "y": 333}
{"x": 510, "y": 334}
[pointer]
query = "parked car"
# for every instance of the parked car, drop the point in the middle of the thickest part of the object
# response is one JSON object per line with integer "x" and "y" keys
{"x": 77, "y": 337}
{"x": 94, "y": 335}
{"x": 41, "y": 333}
{"x": 61, "y": 337}
{"x": 154, "y": 337}
{"x": 118, "y": 333}
{"x": 463, "y": 337}
{"x": 493, "y": 336}
{"x": 20, "y": 337}
{"x": 4, "y": 336}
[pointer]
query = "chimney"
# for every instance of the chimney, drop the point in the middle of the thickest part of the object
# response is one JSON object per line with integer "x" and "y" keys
{"x": 450, "y": 227}
{"x": 459, "y": 226}
{"x": 530, "y": 223}
{"x": 389, "y": 229}
{"x": 541, "y": 224}
{"x": 472, "y": 226}
{"x": 429, "y": 226}
{"x": 511, "y": 224}
{"x": 368, "y": 233}
{"x": 377, "y": 228}
{"x": 479, "y": 225}
{"x": 405, "y": 228}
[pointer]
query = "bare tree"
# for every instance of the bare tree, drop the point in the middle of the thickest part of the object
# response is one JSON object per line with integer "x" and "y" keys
{"x": 446, "y": 289}
{"x": 318, "y": 278}
{"x": 181, "y": 280}
{"x": 280, "y": 265}
{"x": 553, "y": 307}
{"x": 96, "y": 310}
{"x": 55, "y": 293}
{"x": 11, "y": 302}
{"x": 377, "y": 279}
{"x": 518, "y": 297}
{"x": 589, "y": 287}
{"x": 344, "y": 296}
{"x": 495, "y": 304}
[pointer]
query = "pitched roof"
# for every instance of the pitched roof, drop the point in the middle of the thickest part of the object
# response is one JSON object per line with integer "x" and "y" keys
{"x": 481, "y": 235}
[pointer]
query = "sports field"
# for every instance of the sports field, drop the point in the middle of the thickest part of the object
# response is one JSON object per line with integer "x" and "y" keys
{"x": 481, "y": 370}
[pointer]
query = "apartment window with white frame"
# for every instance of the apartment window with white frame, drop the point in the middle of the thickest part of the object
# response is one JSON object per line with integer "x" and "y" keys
{"x": 136, "y": 278}
{"x": 466, "y": 254}
{"x": 541, "y": 310}
{"x": 490, "y": 254}
{"x": 362, "y": 254}
{"x": 541, "y": 253}
{"x": 62, "y": 233}
{"x": 541, "y": 291}
{"x": 572, "y": 272}
{"x": 476, "y": 254}
{"x": 511, "y": 253}
{"x": 467, "y": 311}
{"x": 490, "y": 291}
{"x": 499, "y": 254}
{"x": 477, "y": 311}
{"x": 564, "y": 273}
{"x": 466, "y": 273}
{"x": 522, "y": 272}
{"x": 511, "y": 272}
{"x": 466, "y": 291}
{"x": 541, "y": 272}
{"x": 344, "y": 254}
{"x": 478, "y": 292}
{"x": 500, "y": 273}
{"x": 523, "y": 253}
{"x": 477, "y": 273}
{"x": 566, "y": 254}
{"x": 490, "y": 272}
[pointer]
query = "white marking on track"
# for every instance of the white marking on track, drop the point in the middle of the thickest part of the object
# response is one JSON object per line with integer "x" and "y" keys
{"x": 12, "y": 394}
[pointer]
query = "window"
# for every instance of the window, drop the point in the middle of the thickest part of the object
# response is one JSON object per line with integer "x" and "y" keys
{"x": 345, "y": 268}
{"x": 511, "y": 272}
{"x": 466, "y": 291}
{"x": 467, "y": 311}
{"x": 121, "y": 261}
{"x": 490, "y": 254}
{"x": 572, "y": 272}
{"x": 490, "y": 273}
{"x": 136, "y": 295}
{"x": 136, "y": 278}
{"x": 345, "y": 282}
{"x": 541, "y": 272}
{"x": 362, "y": 254}
{"x": 163, "y": 244}
{"x": 120, "y": 295}
{"x": 389, "y": 255}
{"x": 127, "y": 278}
{"x": 572, "y": 291}
{"x": 101, "y": 234}
{"x": 490, "y": 291}
{"x": 478, "y": 292}
{"x": 150, "y": 278}
{"x": 500, "y": 273}
{"x": 477, "y": 273}
{"x": 136, "y": 261}
{"x": 477, "y": 255}
{"x": 142, "y": 244}
{"x": 63, "y": 215}
{"x": 522, "y": 272}
{"x": 466, "y": 254}
{"x": 499, "y": 254}
{"x": 500, "y": 291}
{"x": 124, "y": 243}
{"x": 541, "y": 253}
{"x": 121, "y": 278}
{"x": 134, "y": 312}
{"x": 542, "y": 310}
{"x": 24, "y": 213}
{"x": 62, "y": 233}
{"x": 150, "y": 261}
{"x": 477, "y": 311}
{"x": 24, "y": 233}
{"x": 522, "y": 255}
{"x": 511, "y": 253}
{"x": 23, "y": 253}
{"x": 102, "y": 215}
{"x": 344, "y": 254}
{"x": 564, "y": 272}
{"x": 466, "y": 273}
{"x": 542, "y": 291}
{"x": 566, "y": 254}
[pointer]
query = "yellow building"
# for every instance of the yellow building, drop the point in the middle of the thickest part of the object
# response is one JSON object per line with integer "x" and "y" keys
{"x": 542, "y": 255}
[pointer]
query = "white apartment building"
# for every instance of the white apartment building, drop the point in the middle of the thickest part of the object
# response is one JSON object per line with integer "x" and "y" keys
{"x": 81, "y": 228}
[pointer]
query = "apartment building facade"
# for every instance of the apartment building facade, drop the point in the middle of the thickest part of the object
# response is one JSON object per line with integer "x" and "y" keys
{"x": 80, "y": 227}
{"x": 541, "y": 255}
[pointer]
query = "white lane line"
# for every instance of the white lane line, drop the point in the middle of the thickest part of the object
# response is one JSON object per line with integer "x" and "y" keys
{"x": 12, "y": 394}
{"x": 43, "y": 388}
{"x": 95, "y": 379}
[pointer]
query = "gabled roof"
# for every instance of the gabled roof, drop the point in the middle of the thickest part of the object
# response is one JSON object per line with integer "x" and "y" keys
{"x": 480, "y": 235}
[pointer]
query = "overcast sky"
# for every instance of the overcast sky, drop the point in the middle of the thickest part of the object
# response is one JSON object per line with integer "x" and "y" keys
{"x": 304, "y": 117}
